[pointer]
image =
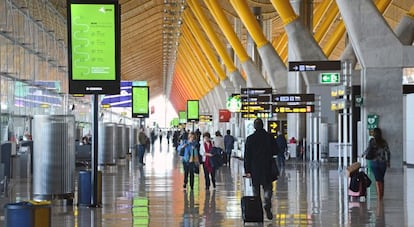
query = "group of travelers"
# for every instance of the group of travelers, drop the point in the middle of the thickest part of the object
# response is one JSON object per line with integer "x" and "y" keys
{"x": 199, "y": 149}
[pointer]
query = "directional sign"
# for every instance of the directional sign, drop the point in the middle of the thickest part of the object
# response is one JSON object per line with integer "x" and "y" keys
{"x": 329, "y": 78}
{"x": 294, "y": 108}
{"x": 273, "y": 127}
{"x": 293, "y": 97}
{"x": 206, "y": 118}
{"x": 304, "y": 66}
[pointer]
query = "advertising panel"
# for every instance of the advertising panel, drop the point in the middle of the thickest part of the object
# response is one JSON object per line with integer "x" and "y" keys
{"x": 93, "y": 46}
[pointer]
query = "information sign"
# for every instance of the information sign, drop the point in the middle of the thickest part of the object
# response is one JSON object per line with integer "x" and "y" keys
{"x": 372, "y": 121}
{"x": 294, "y": 108}
{"x": 192, "y": 110}
{"x": 303, "y": 66}
{"x": 93, "y": 47}
{"x": 140, "y": 101}
{"x": 329, "y": 78}
{"x": 293, "y": 97}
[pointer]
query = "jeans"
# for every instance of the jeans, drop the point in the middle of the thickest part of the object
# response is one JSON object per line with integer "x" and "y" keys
{"x": 207, "y": 177}
{"x": 228, "y": 154}
{"x": 188, "y": 171}
{"x": 141, "y": 152}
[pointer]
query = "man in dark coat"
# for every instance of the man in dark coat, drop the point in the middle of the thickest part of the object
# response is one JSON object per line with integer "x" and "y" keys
{"x": 259, "y": 150}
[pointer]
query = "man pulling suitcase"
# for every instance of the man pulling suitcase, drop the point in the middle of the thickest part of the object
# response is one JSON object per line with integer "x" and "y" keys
{"x": 260, "y": 148}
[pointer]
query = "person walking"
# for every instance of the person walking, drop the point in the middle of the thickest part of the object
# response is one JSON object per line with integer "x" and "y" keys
{"x": 206, "y": 147}
{"x": 380, "y": 161}
{"x": 260, "y": 147}
{"x": 282, "y": 145}
{"x": 142, "y": 143}
{"x": 228, "y": 145}
{"x": 188, "y": 161}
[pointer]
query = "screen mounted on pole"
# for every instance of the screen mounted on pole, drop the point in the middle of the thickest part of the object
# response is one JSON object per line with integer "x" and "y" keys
{"x": 94, "y": 46}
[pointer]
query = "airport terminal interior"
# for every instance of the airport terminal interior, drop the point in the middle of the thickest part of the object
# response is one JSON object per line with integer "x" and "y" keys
{"x": 81, "y": 79}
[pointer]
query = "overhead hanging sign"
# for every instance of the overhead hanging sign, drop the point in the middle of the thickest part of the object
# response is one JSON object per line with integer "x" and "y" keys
{"x": 192, "y": 110}
{"x": 140, "y": 101}
{"x": 306, "y": 66}
{"x": 93, "y": 46}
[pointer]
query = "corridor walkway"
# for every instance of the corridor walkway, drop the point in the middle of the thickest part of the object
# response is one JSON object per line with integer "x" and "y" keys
{"x": 152, "y": 195}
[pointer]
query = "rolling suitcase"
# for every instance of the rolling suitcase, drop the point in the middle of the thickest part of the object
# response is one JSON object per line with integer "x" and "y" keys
{"x": 251, "y": 206}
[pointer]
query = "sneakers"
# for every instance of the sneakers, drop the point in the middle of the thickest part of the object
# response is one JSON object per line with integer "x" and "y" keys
{"x": 269, "y": 213}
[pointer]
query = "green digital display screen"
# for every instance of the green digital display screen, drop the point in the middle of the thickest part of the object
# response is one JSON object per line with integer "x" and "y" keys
{"x": 93, "y": 41}
{"x": 94, "y": 46}
{"x": 140, "y": 101}
{"x": 192, "y": 110}
{"x": 182, "y": 115}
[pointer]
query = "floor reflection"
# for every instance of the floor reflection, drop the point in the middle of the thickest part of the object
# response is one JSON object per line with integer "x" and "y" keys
{"x": 304, "y": 195}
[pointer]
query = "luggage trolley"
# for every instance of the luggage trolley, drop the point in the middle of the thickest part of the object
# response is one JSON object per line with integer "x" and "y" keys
{"x": 358, "y": 182}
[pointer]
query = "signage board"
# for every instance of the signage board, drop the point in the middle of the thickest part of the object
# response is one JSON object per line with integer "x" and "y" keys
{"x": 329, "y": 78}
{"x": 182, "y": 116}
{"x": 234, "y": 103}
{"x": 140, "y": 101}
{"x": 192, "y": 110}
{"x": 339, "y": 104}
{"x": 305, "y": 66}
{"x": 293, "y": 97}
{"x": 224, "y": 115}
{"x": 294, "y": 108}
{"x": 206, "y": 118}
{"x": 372, "y": 121}
{"x": 94, "y": 46}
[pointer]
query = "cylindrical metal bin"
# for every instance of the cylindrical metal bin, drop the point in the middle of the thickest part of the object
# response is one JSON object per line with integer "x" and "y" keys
{"x": 125, "y": 140}
{"x": 53, "y": 157}
{"x": 133, "y": 139}
{"x": 18, "y": 214}
{"x": 85, "y": 188}
{"x": 106, "y": 143}
{"x": 42, "y": 215}
{"x": 120, "y": 136}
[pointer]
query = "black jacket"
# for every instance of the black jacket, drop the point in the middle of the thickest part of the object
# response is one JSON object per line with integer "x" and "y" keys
{"x": 259, "y": 150}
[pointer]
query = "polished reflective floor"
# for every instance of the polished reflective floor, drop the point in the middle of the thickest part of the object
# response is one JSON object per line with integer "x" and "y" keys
{"x": 152, "y": 195}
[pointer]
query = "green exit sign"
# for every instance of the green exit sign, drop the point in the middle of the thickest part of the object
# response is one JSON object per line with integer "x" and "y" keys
{"x": 330, "y": 78}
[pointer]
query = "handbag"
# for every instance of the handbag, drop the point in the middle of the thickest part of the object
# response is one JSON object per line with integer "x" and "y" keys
{"x": 194, "y": 161}
{"x": 274, "y": 170}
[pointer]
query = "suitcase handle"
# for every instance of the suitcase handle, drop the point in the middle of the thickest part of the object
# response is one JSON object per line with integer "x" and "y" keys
{"x": 248, "y": 186}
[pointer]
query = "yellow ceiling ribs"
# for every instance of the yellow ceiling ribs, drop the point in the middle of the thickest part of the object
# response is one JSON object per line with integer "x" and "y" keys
{"x": 227, "y": 29}
{"x": 221, "y": 50}
{"x": 196, "y": 70}
{"x": 187, "y": 74}
{"x": 177, "y": 89}
{"x": 411, "y": 13}
{"x": 249, "y": 20}
{"x": 208, "y": 52}
{"x": 194, "y": 50}
{"x": 182, "y": 79}
{"x": 330, "y": 16}
{"x": 339, "y": 31}
{"x": 320, "y": 10}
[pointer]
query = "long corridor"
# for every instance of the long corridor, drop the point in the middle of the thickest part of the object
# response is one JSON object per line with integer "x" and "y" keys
{"x": 152, "y": 195}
